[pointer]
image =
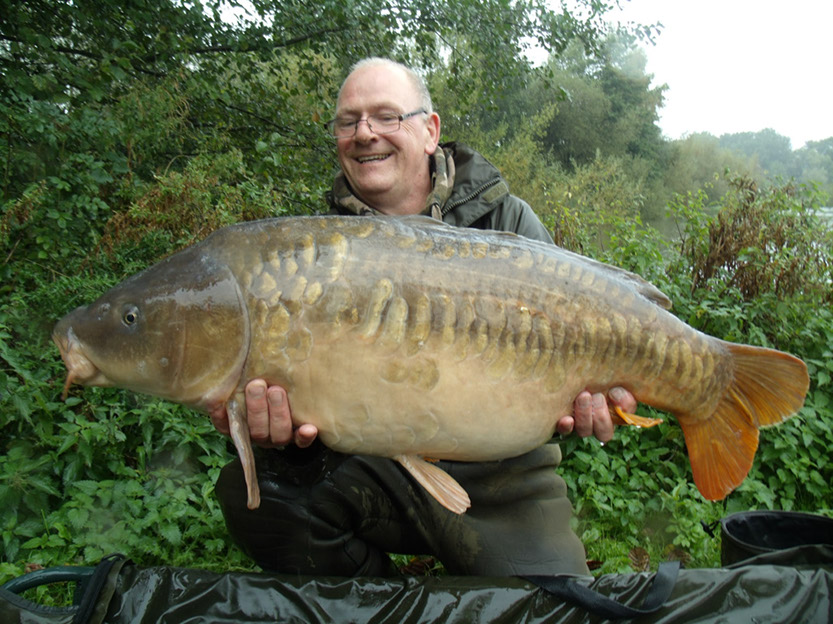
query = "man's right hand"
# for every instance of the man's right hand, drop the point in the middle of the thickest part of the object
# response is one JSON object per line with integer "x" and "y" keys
{"x": 269, "y": 418}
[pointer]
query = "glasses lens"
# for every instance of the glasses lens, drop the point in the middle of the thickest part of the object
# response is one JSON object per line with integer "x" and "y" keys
{"x": 383, "y": 124}
{"x": 341, "y": 128}
{"x": 379, "y": 124}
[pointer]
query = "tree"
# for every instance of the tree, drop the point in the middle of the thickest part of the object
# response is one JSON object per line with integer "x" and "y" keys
{"x": 814, "y": 164}
{"x": 610, "y": 107}
{"x": 699, "y": 162}
{"x": 773, "y": 151}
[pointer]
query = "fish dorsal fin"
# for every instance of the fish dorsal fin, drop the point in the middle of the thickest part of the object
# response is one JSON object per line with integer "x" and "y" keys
{"x": 423, "y": 220}
{"x": 640, "y": 284}
{"x": 437, "y": 482}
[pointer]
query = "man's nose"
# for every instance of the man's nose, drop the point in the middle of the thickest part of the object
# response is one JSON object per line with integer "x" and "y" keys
{"x": 364, "y": 130}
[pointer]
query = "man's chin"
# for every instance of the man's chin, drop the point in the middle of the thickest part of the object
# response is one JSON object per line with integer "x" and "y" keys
{"x": 366, "y": 185}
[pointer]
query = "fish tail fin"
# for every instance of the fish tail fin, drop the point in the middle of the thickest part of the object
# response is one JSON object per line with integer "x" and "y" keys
{"x": 768, "y": 387}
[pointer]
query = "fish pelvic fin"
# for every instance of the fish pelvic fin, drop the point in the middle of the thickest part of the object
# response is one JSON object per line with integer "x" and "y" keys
{"x": 437, "y": 482}
{"x": 768, "y": 387}
{"x": 239, "y": 430}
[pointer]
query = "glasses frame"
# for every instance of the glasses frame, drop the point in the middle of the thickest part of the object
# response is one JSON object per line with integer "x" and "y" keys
{"x": 330, "y": 125}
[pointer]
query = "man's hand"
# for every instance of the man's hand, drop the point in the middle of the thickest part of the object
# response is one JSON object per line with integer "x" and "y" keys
{"x": 269, "y": 418}
{"x": 591, "y": 414}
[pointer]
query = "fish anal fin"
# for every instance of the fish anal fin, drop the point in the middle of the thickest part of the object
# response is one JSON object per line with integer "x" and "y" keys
{"x": 767, "y": 388}
{"x": 437, "y": 482}
{"x": 624, "y": 418}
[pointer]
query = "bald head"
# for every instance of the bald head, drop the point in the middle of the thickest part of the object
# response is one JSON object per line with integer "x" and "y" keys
{"x": 420, "y": 89}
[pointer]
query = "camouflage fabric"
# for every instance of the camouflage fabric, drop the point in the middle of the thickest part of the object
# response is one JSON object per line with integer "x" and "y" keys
{"x": 442, "y": 183}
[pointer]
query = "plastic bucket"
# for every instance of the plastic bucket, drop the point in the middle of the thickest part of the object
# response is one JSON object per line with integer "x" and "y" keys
{"x": 751, "y": 533}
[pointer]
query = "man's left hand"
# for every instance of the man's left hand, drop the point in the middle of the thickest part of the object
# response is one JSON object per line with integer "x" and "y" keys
{"x": 591, "y": 414}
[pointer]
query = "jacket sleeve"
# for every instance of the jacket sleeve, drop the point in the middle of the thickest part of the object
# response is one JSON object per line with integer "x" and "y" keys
{"x": 528, "y": 223}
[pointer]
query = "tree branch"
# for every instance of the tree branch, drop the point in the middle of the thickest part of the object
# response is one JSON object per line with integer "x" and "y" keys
{"x": 277, "y": 45}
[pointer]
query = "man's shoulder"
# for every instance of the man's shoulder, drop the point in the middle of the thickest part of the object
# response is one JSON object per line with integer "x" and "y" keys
{"x": 468, "y": 162}
{"x": 481, "y": 197}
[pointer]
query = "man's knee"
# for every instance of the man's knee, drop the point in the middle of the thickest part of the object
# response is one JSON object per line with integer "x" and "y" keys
{"x": 298, "y": 528}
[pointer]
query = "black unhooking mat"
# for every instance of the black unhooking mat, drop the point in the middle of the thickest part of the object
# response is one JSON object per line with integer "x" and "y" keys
{"x": 761, "y": 589}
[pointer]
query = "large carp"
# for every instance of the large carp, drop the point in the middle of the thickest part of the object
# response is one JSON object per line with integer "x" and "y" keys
{"x": 406, "y": 338}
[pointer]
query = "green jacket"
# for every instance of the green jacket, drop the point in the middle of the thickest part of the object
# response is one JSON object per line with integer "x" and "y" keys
{"x": 468, "y": 192}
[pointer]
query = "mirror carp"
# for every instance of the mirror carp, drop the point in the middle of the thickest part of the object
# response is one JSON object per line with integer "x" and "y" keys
{"x": 410, "y": 339}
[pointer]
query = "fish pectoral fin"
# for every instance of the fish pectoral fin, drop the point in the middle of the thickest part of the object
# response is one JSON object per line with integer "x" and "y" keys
{"x": 239, "y": 430}
{"x": 437, "y": 482}
{"x": 624, "y": 418}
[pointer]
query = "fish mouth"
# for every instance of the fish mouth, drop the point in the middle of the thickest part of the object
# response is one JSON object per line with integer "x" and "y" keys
{"x": 80, "y": 369}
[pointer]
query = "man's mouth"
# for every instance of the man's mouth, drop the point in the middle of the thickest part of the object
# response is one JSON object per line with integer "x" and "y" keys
{"x": 371, "y": 158}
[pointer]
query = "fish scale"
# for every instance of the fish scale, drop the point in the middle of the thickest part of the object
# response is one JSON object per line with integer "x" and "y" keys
{"x": 405, "y": 338}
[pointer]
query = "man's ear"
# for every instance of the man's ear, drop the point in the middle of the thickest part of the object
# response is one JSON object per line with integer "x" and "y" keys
{"x": 432, "y": 126}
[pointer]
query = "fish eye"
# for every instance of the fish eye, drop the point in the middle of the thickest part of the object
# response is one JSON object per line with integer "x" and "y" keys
{"x": 130, "y": 316}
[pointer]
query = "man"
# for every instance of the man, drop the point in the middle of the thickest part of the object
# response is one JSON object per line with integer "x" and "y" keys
{"x": 327, "y": 513}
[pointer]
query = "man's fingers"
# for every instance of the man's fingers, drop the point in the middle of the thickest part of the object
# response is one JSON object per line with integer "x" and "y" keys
{"x": 583, "y": 414}
{"x": 280, "y": 417}
{"x": 624, "y": 399}
{"x": 591, "y": 416}
{"x": 257, "y": 410}
{"x": 565, "y": 425}
{"x": 601, "y": 420}
{"x": 305, "y": 435}
{"x": 219, "y": 419}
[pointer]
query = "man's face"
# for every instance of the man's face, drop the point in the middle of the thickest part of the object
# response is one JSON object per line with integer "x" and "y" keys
{"x": 388, "y": 171}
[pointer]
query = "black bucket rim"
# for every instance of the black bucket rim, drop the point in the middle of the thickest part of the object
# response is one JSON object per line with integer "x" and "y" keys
{"x": 735, "y": 547}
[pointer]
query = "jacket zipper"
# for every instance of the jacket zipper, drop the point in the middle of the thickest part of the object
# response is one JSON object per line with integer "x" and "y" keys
{"x": 449, "y": 207}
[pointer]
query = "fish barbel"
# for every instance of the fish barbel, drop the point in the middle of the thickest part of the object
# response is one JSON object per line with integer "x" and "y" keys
{"x": 406, "y": 338}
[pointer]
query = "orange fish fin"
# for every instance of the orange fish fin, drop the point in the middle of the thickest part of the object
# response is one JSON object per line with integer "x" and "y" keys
{"x": 437, "y": 482}
{"x": 721, "y": 449}
{"x": 768, "y": 387}
{"x": 772, "y": 384}
{"x": 624, "y": 418}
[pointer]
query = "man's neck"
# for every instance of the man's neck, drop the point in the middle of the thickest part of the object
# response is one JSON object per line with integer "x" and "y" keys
{"x": 410, "y": 204}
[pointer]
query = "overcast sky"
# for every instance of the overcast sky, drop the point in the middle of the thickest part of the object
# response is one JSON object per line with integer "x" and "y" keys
{"x": 742, "y": 65}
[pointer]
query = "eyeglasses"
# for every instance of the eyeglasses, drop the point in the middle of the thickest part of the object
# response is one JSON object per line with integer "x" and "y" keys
{"x": 383, "y": 123}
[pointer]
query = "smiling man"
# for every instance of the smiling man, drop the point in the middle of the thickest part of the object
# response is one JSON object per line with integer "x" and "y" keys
{"x": 327, "y": 513}
{"x": 388, "y": 170}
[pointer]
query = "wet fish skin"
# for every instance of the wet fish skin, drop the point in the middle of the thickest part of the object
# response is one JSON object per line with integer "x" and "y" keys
{"x": 405, "y": 338}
